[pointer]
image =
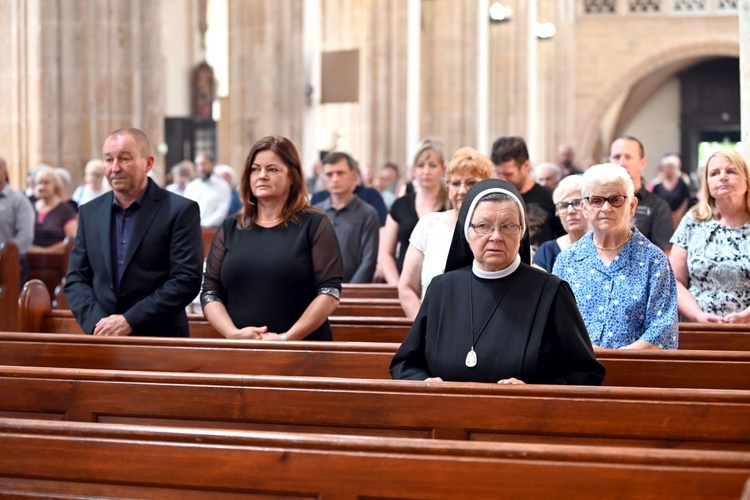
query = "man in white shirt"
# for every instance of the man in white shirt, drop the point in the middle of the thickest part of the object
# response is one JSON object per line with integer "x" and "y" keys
{"x": 211, "y": 192}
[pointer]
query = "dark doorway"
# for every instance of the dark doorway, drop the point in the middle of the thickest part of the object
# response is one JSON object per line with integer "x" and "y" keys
{"x": 710, "y": 106}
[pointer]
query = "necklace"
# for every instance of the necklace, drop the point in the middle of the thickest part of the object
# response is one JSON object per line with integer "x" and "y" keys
{"x": 471, "y": 356}
{"x": 277, "y": 219}
{"x": 613, "y": 248}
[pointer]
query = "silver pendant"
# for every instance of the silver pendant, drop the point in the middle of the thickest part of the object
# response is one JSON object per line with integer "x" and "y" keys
{"x": 471, "y": 358}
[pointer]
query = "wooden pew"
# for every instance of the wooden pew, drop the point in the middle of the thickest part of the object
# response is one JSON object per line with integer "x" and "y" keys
{"x": 678, "y": 369}
{"x": 96, "y": 460}
{"x": 208, "y": 237}
{"x": 36, "y": 315}
{"x": 693, "y": 336}
{"x": 661, "y": 418}
{"x": 370, "y": 307}
{"x": 369, "y": 291}
{"x": 51, "y": 268}
{"x": 10, "y": 285}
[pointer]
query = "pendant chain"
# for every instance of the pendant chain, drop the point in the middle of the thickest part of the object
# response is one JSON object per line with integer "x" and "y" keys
{"x": 471, "y": 357}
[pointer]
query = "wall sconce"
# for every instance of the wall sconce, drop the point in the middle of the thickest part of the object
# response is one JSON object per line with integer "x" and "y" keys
{"x": 545, "y": 31}
{"x": 499, "y": 13}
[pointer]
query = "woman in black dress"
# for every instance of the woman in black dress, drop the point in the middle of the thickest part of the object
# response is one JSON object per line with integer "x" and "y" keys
{"x": 492, "y": 318}
{"x": 274, "y": 270}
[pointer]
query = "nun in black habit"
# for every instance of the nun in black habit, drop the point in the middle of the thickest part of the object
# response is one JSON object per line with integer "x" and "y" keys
{"x": 491, "y": 317}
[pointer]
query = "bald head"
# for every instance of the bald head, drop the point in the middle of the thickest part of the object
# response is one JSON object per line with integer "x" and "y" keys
{"x": 548, "y": 174}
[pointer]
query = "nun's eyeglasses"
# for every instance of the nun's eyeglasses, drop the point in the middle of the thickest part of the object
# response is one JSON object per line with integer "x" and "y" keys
{"x": 615, "y": 201}
{"x": 484, "y": 228}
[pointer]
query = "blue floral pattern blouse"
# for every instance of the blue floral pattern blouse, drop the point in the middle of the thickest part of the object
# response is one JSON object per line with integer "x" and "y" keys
{"x": 718, "y": 260}
{"x": 634, "y": 298}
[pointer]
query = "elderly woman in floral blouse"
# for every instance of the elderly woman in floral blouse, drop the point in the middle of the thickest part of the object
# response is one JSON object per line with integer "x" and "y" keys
{"x": 624, "y": 286}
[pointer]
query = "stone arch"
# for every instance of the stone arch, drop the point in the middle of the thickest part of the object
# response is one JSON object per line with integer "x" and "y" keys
{"x": 666, "y": 64}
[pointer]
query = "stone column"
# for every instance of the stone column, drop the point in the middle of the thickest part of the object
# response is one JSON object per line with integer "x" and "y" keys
{"x": 76, "y": 71}
{"x": 373, "y": 128}
{"x": 450, "y": 68}
{"x": 555, "y": 111}
{"x": 508, "y": 73}
{"x": 267, "y": 73}
{"x": 744, "y": 19}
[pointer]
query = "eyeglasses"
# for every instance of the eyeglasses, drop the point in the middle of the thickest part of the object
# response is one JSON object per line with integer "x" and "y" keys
{"x": 564, "y": 205}
{"x": 506, "y": 229}
{"x": 467, "y": 184}
{"x": 615, "y": 201}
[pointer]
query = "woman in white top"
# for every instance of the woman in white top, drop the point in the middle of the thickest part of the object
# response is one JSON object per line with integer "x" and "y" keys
{"x": 431, "y": 238}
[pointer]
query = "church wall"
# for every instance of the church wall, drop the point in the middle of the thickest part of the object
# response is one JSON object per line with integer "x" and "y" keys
{"x": 79, "y": 70}
{"x": 181, "y": 49}
{"x": 266, "y": 78}
{"x": 657, "y": 125}
{"x": 449, "y": 73}
{"x": 372, "y": 128}
{"x": 615, "y": 53}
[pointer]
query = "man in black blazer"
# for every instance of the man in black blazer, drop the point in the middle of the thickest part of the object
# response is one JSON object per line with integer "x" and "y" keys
{"x": 138, "y": 255}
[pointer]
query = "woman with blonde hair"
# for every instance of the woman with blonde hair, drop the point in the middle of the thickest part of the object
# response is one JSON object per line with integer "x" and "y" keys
{"x": 55, "y": 218}
{"x": 711, "y": 246}
{"x": 430, "y": 196}
{"x": 431, "y": 239}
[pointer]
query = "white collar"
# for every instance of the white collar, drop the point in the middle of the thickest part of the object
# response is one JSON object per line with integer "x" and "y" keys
{"x": 493, "y": 275}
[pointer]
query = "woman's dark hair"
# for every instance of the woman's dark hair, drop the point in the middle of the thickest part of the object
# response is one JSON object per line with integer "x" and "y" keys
{"x": 296, "y": 202}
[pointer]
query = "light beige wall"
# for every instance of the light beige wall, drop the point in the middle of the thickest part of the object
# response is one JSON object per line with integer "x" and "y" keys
{"x": 657, "y": 125}
{"x": 77, "y": 70}
{"x": 372, "y": 129}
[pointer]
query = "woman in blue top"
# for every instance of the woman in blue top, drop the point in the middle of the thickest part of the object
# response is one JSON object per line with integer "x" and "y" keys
{"x": 568, "y": 201}
{"x": 624, "y": 286}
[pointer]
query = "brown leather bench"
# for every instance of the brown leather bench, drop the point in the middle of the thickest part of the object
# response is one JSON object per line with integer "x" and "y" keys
{"x": 661, "y": 418}
{"x": 108, "y": 460}
{"x": 629, "y": 368}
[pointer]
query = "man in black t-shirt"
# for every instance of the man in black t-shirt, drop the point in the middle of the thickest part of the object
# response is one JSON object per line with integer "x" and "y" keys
{"x": 510, "y": 156}
{"x": 653, "y": 217}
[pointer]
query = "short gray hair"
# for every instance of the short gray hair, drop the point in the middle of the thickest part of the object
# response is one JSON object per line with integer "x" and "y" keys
{"x": 605, "y": 174}
{"x": 569, "y": 185}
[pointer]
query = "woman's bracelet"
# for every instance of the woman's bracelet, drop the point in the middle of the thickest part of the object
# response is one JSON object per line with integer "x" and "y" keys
{"x": 282, "y": 336}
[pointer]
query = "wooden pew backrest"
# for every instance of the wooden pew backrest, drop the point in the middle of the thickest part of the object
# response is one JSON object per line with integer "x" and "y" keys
{"x": 10, "y": 285}
{"x": 686, "y": 369}
{"x": 661, "y": 418}
{"x": 80, "y": 459}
